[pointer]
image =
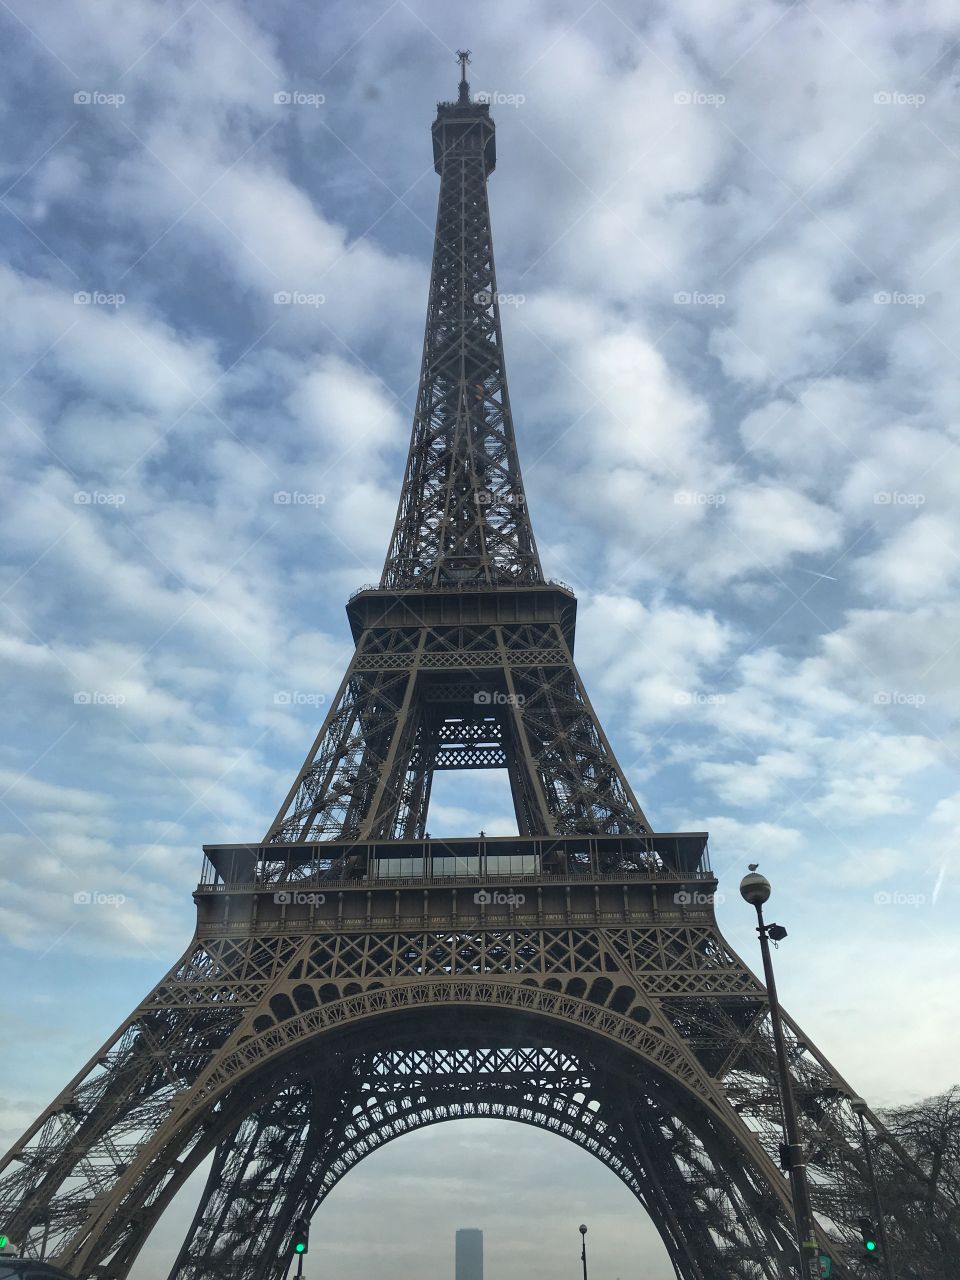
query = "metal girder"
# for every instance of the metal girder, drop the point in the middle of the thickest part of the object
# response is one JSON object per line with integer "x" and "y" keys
{"x": 462, "y": 514}
{"x": 244, "y": 1016}
{"x": 368, "y": 773}
{"x": 394, "y": 1092}
{"x": 324, "y": 1011}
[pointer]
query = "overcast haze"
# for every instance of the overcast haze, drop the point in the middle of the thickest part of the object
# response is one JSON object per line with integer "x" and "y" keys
{"x": 728, "y": 237}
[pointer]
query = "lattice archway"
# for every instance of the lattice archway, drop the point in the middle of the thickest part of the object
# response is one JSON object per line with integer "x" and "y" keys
{"x": 667, "y": 1141}
{"x": 662, "y": 1142}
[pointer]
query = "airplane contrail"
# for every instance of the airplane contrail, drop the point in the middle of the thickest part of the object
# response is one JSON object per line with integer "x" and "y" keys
{"x": 939, "y": 884}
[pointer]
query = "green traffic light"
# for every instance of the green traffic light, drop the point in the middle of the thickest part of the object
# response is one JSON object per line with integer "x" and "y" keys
{"x": 300, "y": 1247}
{"x": 871, "y": 1245}
{"x": 4, "y": 1241}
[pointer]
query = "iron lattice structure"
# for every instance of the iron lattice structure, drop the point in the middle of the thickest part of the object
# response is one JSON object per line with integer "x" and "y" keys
{"x": 352, "y": 978}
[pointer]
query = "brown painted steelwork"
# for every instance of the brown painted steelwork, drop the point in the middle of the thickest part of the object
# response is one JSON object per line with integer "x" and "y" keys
{"x": 353, "y": 978}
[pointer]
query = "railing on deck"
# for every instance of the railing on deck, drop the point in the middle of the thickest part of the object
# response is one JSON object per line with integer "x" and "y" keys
{"x": 500, "y": 859}
{"x": 213, "y": 885}
{"x": 471, "y": 585}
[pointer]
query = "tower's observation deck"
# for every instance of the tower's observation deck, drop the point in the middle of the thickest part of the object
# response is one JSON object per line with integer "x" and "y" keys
{"x": 494, "y": 882}
{"x": 462, "y": 128}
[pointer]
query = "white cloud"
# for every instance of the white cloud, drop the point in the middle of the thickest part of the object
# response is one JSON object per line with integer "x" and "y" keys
{"x": 653, "y": 660}
{"x": 818, "y": 735}
{"x": 918, "y": 564}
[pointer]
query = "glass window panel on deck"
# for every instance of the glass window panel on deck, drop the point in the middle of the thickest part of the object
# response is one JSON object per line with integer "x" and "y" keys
{"x": 445, "y": 865}
{"x": 396, "y": 868}
{"x": 512, "y": 864}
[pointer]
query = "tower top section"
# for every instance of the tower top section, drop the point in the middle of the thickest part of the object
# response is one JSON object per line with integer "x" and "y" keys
{"x": 462, "y": 521}
{"x": 464, "y": 126}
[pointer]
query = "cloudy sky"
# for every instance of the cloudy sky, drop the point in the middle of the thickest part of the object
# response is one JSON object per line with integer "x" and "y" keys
{"x": 730, "y": 235}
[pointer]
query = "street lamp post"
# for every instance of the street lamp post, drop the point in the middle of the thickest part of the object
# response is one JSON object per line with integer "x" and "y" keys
{"x": 755, "y": 889}
{"x": 860, "y": 1107}
{"x": 583, "y": 1250}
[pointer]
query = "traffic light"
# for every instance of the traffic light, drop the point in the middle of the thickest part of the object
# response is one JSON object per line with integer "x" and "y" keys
{"x": 301, "y": 1236}
{"x": 868, "y": 1233}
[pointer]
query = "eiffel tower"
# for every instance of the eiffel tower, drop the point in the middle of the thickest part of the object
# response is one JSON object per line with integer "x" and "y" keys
{"x": 353, "y": 978}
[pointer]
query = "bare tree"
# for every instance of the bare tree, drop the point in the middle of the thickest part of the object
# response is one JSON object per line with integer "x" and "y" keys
{"x": 922, "y": 1207}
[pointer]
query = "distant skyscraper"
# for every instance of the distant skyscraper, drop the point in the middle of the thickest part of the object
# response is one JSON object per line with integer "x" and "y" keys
{"x": 469, "y": 1254}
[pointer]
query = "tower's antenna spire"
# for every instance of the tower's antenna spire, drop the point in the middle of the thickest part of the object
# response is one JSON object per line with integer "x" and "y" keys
{"x": 463, "y": 56}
